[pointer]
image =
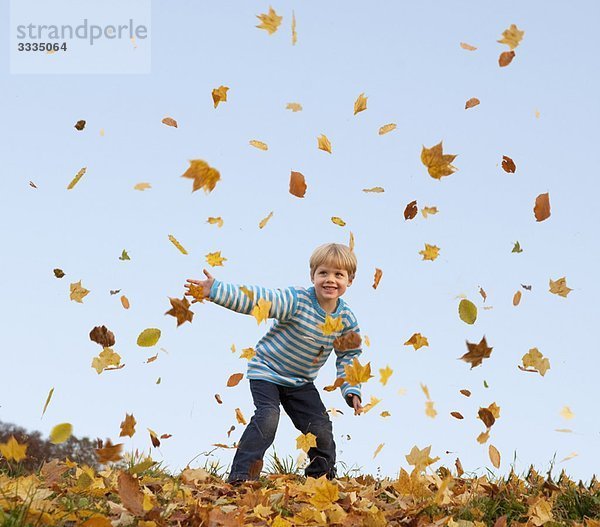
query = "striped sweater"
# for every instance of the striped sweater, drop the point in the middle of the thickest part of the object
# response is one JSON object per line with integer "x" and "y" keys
{"x": 294, "y": 349}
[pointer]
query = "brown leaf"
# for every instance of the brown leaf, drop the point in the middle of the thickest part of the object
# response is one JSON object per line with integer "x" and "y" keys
{"x": 542, "y": 207}
{"x": 154, "y": 438}
{"x": 487, "y": 417}
{"x": 170, "y": 122}
{"x": 218, "y": 398}
{"x": 459, "y": 467}
{"x": 125, "y": 302}
{"x": 494, "y": 456}
{"x": 297, "y": 184}
{"x": 466, "y": 393}
{"x": 234, "y": 379}
{"x": 458, "y": 415}
{"x": 517, "y": 298}
{"x": 476, "y": 353}
{"x": 109, "y": 452}
{"x": 378, "y": 275}
{"x": 231, "y": 429}
{"x": 128, "y": 426}
{"x": 501, "y": 522}
{"x": 473, "y": 101}
{"x": 180, "y": 310}
{"x": 80, "y": 125}
{"x": 411, "y": 210}
{"x": 346, "y": 342}
{"x": 505, "y": 58}
{"x": 130, "y": 493}
{"x": 32, "y": 184}
{"x": 508, "y": 165}
{"x": 255, "y": 468}
{"x": 103, "y": 336}
{"x": 58, "y": 273}
{"x": 52, "y": 471}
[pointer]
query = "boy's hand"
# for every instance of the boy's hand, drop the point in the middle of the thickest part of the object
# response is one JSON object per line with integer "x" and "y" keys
{"x": 356, "y": 404}
{"x": 199, "y": 289}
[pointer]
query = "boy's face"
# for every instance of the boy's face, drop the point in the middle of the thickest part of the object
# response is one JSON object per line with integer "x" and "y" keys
{"x": 330, "y": 282}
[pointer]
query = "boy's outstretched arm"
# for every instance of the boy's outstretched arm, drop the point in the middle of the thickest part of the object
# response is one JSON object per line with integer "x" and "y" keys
{"x": 203, "y": 285}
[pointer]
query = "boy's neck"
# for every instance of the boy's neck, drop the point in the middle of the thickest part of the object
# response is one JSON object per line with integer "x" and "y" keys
{"x": 328, "y": 307}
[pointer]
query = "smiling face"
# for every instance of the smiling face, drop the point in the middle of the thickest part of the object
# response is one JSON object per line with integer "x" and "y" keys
{"x": 330, "y": 284}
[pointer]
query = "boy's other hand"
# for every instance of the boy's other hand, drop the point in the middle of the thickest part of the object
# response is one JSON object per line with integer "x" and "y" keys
{"x": 196, "y": 288}
{"x": 356, "y": 404}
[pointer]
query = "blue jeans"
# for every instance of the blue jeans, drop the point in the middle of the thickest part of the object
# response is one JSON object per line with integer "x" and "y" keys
{"x": 306, "y": 410}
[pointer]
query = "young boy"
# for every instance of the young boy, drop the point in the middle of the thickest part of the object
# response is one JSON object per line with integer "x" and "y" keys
{"x": 290, "y": 355}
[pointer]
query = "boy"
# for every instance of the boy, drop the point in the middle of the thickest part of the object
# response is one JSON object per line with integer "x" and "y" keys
{"x": 290, "y": 355}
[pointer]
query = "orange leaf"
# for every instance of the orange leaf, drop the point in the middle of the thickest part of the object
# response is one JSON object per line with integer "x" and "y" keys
{"x": 378, "y": 275}
{"x": 234, "y": 379}
{"x": 130, "y": 493}
{"x": 297, "y": 184}
{"x": 542, "y": 207}
{"x": 508, "y": 165}
{"x": 473, "y": 101}
{"x": 506, "y": 58}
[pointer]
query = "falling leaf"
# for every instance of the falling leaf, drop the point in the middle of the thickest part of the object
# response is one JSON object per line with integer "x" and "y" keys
{"x": 149, "y": 337}
{"x": 560, "y": 287}
{"x": 32, "y": 184}
{"x": 467, "y": 311}
{"x": 306, "y": 441}
{"x": 294, "y": 106}
{"x": 59, "y": 273}
{"x": 508, "y": 165}
{"x": 174, "y": 241}
{"x": 331, "y": 325}
{"x": 534, "y": 359}
{"x": 349, "y": 341}
{"x": 114, "y": 291}
{"x": 417, "y": 341}
{"x": 482, "y": 293}
{"x": 566, "y": 413}
{"x": 476, "y": 353}
{"x": 483, "y": 437}
{"x": 259, "y": 144}
{"x": 357, "y": 373}
{"x": 60, "y": 433}
{"x": 387, "y": 128}
{"x": 297, "y": 184}
{"x": 473, "y": 101}
{"x": 125, "y": 302}
{"x": 465, "y": 392}
{"x": 378, "y": 449}
{"x": 80, "y": 125}
{"x": 425, "y": 390}
{"x": 77, "y": 177}
{"x": 468, "y": 47}
{"x": 374, "y": 190}
{"x": 142, "y": 186}
{"x": 153, "y": 438}
{"x": 152, "y": 359}
{"x": 269, "y": 22}
{"x": 487, "y": 416}
{"x": 234, "y": 379}
{"x": 12, "y": 450}
{"x": 128, "y": 426}
{"x": 77, "y": 292}
{"x": 385, "y": 374}
{"x": 428, "y": 210}
{"x": 360, "y": 104}
{"x": 377, "y": 278}
{"x": 516, "y": 298}
{"x": 385, "y": 413}
{"x": 240, "y": 416}
{"x": 438, "y": 164}
{"x": 215, "y": 259}
{"x": 247, "y": 353}
{"x": 323, "y": 143}
{"x": 457, "y": 415}
{"x": 180, "y": 309}
{"x": 494, "y": 456}
{"x": 537, "y": 114}
{"x": 337, "y": 383}
{"x": 265, "y": 220}
{"x": 506, "y": 58}
{"x": 219, "y": 95}
{"x": 261, "y": 310}
{"x": 107, "y": 360}
{"x": 103, "y": 336}
{"x": 431, "y": 252}
{"x": 512, "y": 36}
{"x": 294, "y": 34}
{"x": 371, "y": 404}
{"x": 527, "y": 287}
{"x": 517, "y": 248}
{"x": 218, "y": 398}
{"x": 47, "y": 401}
{"x": 203, "y": 174}
{"x": 215, "y": 221}
{"x": 109, "y": 452}
{"x": 411, "y": 210}
{"x": 169, "y": 122}
{"x": 430, "y": 411}
{"x": 570, "y": 456}
{"x": 420, "y": 459}
{"x": 564, "y": 430}
{"x": 338, "y": 221}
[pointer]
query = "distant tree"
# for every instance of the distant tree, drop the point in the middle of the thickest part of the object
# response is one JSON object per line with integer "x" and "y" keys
{"x": 82, "y": 451}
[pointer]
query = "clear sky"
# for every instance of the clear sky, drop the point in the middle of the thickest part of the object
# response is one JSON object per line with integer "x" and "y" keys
{"x": 405, "y": 57}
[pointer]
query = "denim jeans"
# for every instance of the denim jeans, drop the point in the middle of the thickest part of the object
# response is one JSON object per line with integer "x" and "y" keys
{"x": 306, "y": 410}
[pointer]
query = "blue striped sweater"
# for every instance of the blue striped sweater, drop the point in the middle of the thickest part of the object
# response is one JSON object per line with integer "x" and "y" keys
{"x": 294, "y": 349}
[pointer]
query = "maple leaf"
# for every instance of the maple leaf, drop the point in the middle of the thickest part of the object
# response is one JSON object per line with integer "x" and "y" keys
{"x": 180, "y": 309}
{"x": 240, "y": 416}
{"x": 148, "y": 338}
{"x": 77, "y": 292}
{"x": 269, "y": 22}
{"x": 323, "y": 143}
{"x": 331, "y": 325}
{"x": 487, "y": 416}
{"x": 12, "y": 450}
{"x": 505, "y": 58}
{"x": 385, "y": 374}
{"x": 338, "y": 221}
{"x": 215, "y": 221}
{"x": 176, "y": 243}
{"x": 467, "y": 311}
{"x": 420, "y": 458}
{"x": 431, "y": 252}
{"x": 197, "y": 292}
{"x": 360, "y": 104}
{"x": 60, "y": 433}
{"x": 234, "y": 379}
{"x": 109, "y": 452}
{"x": 215, "y": 259}
{"x": 377, "y": 278}
{"x": 417, "y": 341}
{"x": 473, "y": 101}
{"x": 306, "y": 441}
{"x": 357, "y": 373}
{"x": 534, "y": 359}
{"x": 103, "y": 336}
{"x": 258, "y": 144}
{"x": 348, "y": 341}
{"x": 428, "y": 210}
{"x": 219, "y": 95}
{"x": 411, "y": 210}
{"x": 76, "y": 179}
{"x": 512, "y": 36}
{"x": 128, "y": 426}
{"x": 560, "y": 287}
{"x": 508, "y": 165}
{"x": 476, "y": 353}
{"x": 247, "y": 353}
{"x": 203, "y": 174}
{"x": 374, "y": 401}
{"x": 297, "y": 184}
{"x": 387, "y": 128}
{"x": 106, "y": 360}
{"x": 326, "y": 494}
{"x": 265, "y": 220}
{"x": 261, "y": 310}
{"x": 438, "y": 164}
{"x": 294, "y": 106}
{"x": 142, "y": 186}
{"x": 169, "y": 121}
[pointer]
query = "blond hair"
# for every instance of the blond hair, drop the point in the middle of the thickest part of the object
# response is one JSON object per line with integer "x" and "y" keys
{"x": 336, "y": 255}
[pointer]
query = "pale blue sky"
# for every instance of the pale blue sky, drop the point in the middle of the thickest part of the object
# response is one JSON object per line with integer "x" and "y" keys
{"x": 406, "y": 58}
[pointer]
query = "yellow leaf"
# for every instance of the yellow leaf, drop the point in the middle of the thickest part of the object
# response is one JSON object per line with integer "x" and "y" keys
{"x": 438, "y": 164}
{"x": 259, "y": 144}
{"x": 560, "y": 287}
{"x": 269, "y": 22}
{"x": 326, "y": 493}
{"x": 105, "y": 359}
{"x": 357, "y": 373}
{"x": 215, "y": 259}
{"x": 248, "y": 293}
{"x": 534, "y": 359}
{"x": 142, "y": 186}
{"x": 60, "y": 433}
{"x": 494, "y": 456}
{"x": 261, "y": 310}
{"x": 323, "y": 143}
{"x": 280, "y": 521}
{"x": 467, "y": 311}
{"x": 417, "y": 341}
{"x": 351, "y": 242}
{"x": 12, "y": 450}
{"x": 430, "y": 411}
{"x": 174, "y": 241}
{"x": 77, "y": 177}
{"x": 483, "y": 437}
{"x": 240, "y": 416}
{"x": 338, "y": 221}
{"x": 331, "y": 325}
{"x": 385, "y": 374}
{"x": 374, "y": 189}
{"x": 294, "y": 106}
{"x": 218, "y": 221}
{"x": 77, "y": 291}
{"x": 219, "y": 95}
{"x": 367, "y": 341}
{"x": 428, "y": 210}
{"x": 431, "y": 252}
{"x": 420, "y": 458}
{"x": 306, "y": 441}
{"x": 294, "y": 34}
{"x": 540, "y": 512}
{"x": 371, "y": 404}
{"x": 566, "y": 413}
{"x": 386, "y": 128}
{"x": 262, "y": 511}
{"x": 247, "y": 353}
{"x": 570, "y": 456}
{"x": 512, "y": 36}
{"x": 149, "y": 337}
{"x": 47, "y": 401}
{"x": 360, "y": 104}
{"x": 425, "y": 390}
{"x": 385, "y": 413}
{"x": 265, "y": 220}
{"x": 203, "y": 174}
